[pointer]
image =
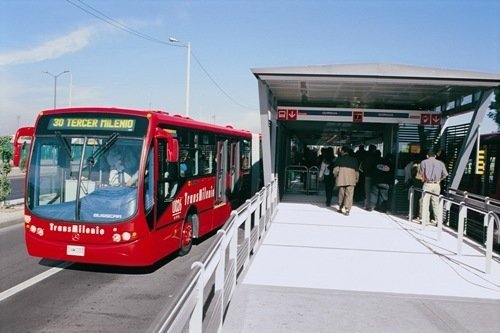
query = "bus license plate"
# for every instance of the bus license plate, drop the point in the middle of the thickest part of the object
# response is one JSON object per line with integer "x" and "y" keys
{"x": 73, "y": 250}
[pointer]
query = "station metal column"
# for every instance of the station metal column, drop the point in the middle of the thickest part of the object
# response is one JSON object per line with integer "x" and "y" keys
{"x": 470, "y": 139}
{"x": 268, "y": 127}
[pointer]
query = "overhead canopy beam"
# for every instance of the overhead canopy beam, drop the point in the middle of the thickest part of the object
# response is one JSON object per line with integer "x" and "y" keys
{"x": 368, "y": 86}
{"x": 384, "y": 86}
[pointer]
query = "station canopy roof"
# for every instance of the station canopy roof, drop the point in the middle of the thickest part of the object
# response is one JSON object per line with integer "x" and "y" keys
{"x": 371, "y": 86}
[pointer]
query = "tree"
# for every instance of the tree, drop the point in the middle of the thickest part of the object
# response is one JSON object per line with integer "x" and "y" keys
{"x": 6, "y": 156}
{"x": 495, "y": 107}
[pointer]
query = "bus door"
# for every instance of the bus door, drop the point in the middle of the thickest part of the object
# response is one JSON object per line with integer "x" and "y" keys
{"x": 222, "y": 172}
{"x": 167, "y": 181}
{"x": 222, "y": 207}
{"x": 234, "y": 167}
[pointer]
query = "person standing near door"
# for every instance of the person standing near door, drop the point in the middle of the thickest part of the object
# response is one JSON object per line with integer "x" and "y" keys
{"x": 367, "y": 167}
{"x": 346, "y": 176}
{"x": 383, "y": 179}
{"x": 431, "y": 172}
{"x": 326, "y": 174}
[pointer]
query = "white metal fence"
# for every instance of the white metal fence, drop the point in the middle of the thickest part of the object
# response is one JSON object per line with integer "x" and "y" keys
{"x": 489, "y": 208}
{"x": 202, "y": 301}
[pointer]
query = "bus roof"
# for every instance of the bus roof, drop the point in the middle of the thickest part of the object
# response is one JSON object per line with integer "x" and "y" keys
{"x": 158, "y": 116}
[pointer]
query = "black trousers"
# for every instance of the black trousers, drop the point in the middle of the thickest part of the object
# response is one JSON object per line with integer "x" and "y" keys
{"x": 329, "y": 189}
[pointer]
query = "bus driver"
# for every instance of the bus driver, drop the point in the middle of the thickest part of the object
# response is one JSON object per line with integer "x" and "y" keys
{"x": 122, "y": 167}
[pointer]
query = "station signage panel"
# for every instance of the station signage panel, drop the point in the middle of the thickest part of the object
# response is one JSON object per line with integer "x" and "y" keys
{"x": 287, "y": 114}
{"x": 430, "y": 119}
{"x": 359, "y": 116}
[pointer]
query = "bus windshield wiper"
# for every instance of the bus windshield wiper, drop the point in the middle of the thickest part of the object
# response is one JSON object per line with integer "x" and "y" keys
{"x": 102, "y": 149}
{"x": 64, "y": 144}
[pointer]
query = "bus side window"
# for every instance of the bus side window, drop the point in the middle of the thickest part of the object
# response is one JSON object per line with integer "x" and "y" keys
{"x": 162, "y": 169}
{"x": 167, "y": 184}
{"x": 189, "y": 163}
{"x": 203, "y": 164}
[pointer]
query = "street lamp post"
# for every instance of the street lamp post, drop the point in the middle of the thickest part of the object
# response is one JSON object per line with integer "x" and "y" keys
{"x": 70, "y": 88}
{"x": 55, "y": 84}
{"x": 188, "y": 69}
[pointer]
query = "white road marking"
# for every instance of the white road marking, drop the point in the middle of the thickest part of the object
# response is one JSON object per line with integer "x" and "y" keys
{"x": 34, "y": 280}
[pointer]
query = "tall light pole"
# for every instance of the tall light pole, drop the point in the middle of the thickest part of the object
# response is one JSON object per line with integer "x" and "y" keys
{"x": 188, "y": 70}
{"x": 70, "y": 88}
{"x": 55, "y": 84}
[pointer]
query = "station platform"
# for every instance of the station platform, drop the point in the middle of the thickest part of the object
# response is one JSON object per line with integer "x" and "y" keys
{"x": 317, "y": 270}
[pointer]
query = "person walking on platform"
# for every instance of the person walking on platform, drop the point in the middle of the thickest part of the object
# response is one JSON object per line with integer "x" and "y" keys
{"x": 431, "y": 172}
{"x": 326, "y": 174}
{"x": 367, "y": 167}
{"x": 412, "y": 179}
{"x": 359, "y": 190}
{"x": 383, "y": 178}
{"x": 346, "y": 176}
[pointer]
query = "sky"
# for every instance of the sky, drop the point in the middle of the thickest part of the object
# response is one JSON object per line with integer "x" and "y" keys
{"x": 118, "y": 52}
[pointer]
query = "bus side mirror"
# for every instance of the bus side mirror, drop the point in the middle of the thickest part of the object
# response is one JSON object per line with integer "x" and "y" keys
{"x": 25, "y": 133}
{"x": 172, "y": 152}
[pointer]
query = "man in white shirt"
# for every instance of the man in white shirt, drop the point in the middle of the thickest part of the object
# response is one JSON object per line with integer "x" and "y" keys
{"x": 121, "y": 171}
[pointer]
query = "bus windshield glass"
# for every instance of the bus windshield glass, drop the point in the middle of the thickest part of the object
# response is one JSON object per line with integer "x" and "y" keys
{"x": 83, "y": 177}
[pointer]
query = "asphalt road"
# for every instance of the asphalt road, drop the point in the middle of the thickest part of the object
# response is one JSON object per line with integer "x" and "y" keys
{"x": 17, "y": 187}
{"x": 84, "y": 298}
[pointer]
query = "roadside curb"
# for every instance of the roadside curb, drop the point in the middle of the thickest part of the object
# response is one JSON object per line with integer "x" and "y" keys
{"x": 13, "y": 214}
{"x": 12, "y": 221}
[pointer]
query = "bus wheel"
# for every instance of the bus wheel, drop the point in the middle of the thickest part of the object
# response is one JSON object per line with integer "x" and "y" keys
{"x": 186, "y": 236}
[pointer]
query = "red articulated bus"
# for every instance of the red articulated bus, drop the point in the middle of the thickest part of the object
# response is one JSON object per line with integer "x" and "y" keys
{"x": 129, "y": 187}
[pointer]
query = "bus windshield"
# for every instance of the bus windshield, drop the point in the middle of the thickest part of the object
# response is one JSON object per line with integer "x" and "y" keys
{"x": 85, "y": 178}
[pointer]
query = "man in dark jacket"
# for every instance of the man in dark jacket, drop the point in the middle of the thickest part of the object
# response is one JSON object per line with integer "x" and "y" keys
{"x": 382, "y": 179}
{"x": 367, "y": 167}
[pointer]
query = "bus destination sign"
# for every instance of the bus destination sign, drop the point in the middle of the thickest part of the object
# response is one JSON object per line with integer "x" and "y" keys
{"x": 81, "y": 123}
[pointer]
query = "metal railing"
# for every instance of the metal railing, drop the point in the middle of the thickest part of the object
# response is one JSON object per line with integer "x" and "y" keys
{"x": 202, "y": 301}
{"x": 489, "y": 208}
{"x": 301, "y": 179}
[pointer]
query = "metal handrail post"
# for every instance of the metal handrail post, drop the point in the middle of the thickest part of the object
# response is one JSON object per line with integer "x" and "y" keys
{"x": 196, "y": 320}
{"x": 491, "y": 218}
{"x": 265, "y": 213}
{"x": 233, "y": 253}
{"x": 489, "y": 222}
{"x": 440, "y": 217}
{"x": 220, "y": 280}
{"x": 461, "y": 223}
{"x": 411, "y": 195}
{"x": 426, "y": 213}
{"x": 247, "y": 231}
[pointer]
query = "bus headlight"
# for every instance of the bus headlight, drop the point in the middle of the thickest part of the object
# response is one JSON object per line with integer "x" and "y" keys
{"x": 124, "y": 236}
